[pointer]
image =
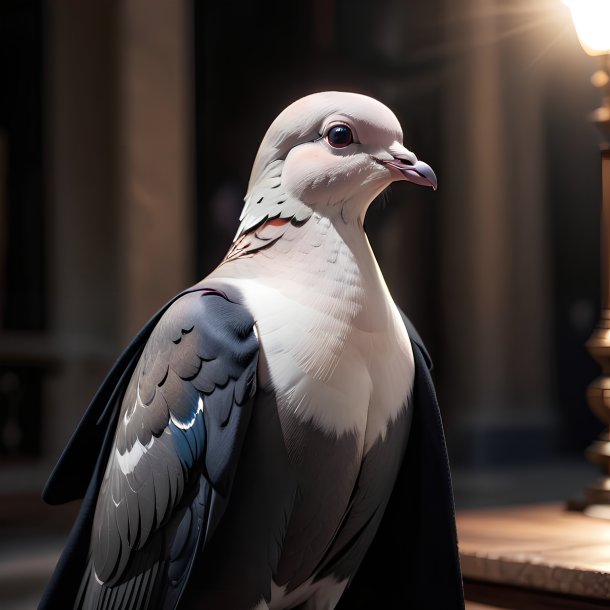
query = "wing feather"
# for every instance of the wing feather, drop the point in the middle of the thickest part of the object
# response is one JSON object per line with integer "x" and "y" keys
{"x": 178, "y": 438}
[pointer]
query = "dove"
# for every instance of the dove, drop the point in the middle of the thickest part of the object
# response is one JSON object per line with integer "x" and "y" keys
{"x": 271, "y": 439}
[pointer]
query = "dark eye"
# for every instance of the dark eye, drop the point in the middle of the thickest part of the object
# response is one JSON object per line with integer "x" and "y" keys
{"x": 339, "y": 136}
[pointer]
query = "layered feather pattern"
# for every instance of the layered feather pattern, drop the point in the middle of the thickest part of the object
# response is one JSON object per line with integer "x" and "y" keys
{"x": 183, "y": 416}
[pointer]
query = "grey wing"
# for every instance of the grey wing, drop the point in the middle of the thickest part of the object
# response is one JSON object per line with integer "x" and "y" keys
{"x": 176, "y": 446}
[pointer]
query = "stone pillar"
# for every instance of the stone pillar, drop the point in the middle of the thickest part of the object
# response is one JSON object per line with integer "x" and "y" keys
{"x": 119, "y": 158}
{"x": 81, "y": 221}
{"x": 494, "y": 232}
{"x": 156, "y": 152}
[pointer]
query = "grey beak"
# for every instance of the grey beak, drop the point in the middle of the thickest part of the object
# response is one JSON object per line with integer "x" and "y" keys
{"x": 418, "y": 172}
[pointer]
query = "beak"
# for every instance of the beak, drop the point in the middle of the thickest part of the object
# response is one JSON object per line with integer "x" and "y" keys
{"x": 418, "y": 172}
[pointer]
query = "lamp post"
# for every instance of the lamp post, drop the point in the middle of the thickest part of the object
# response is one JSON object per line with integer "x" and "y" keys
{"x": 592, "y": 22}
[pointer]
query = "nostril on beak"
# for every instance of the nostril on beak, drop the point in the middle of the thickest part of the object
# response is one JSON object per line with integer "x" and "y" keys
{"x": 405, "y": 160}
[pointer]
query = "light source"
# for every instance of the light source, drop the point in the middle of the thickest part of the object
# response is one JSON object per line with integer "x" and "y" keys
{"x": 592, "y": 22}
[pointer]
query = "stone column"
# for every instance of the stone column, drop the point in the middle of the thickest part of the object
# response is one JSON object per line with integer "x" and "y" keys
{"x": 156, "y": 152}
{"x": 119, "y": 157}
{"x": 81, "y": 220}
{"x": 494, "y": 232}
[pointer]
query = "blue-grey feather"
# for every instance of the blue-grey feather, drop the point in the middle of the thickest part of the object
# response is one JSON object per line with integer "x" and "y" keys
{"x": 184, "y": 444}
{"x": 219, "y": 405}
{"x": 145, "y": 503}
{"x": 182, "y": 398}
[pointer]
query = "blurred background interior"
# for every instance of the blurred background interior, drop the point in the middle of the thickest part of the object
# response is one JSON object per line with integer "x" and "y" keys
{"x": 127, "y": 133}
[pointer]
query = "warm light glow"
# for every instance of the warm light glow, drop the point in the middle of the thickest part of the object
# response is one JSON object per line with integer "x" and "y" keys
{"x": 592, "y": 22}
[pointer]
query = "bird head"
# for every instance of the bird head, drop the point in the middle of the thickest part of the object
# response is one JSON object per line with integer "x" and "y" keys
{"x": 336, "y": 151}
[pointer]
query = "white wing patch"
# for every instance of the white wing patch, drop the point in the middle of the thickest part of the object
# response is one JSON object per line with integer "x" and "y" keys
{"x": 129, "y": 460}
{"x": 188, "y": 424}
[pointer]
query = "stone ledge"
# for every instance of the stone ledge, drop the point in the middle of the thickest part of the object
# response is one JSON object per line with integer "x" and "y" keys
{"x": 543, "y": 548}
